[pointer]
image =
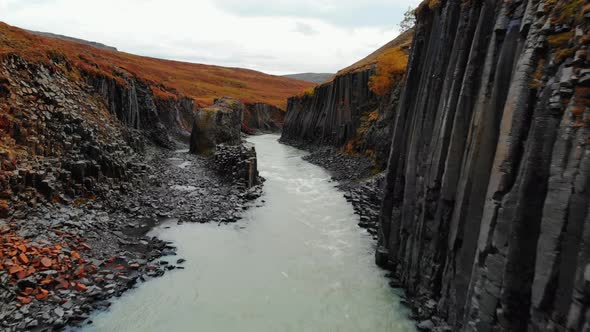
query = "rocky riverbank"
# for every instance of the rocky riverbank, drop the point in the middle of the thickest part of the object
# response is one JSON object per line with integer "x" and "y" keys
{"x": 484, "y": 218}
{"x": 74, "y": 258}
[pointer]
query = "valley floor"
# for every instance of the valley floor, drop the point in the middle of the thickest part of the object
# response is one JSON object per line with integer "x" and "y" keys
{"x": 76, "y": 257}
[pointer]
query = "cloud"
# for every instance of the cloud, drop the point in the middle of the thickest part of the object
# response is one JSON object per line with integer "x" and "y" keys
{"x": 305, "y": 29}
{"x": 288, "y": 37}
{"x": 345, "y": 13}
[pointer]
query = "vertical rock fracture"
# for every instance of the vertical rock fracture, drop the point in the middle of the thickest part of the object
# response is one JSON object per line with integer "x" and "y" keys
{"x": 486, "y": 203}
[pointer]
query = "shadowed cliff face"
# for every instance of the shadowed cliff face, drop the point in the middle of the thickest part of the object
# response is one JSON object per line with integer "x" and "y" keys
{"x": 486, "y": 203}
{"x": 136, "y": 107}
{"x": 340, "y": 112}
{"x": 262, "y": 117}
{"x": 332, "y": 113}
{"x": 217, "y": 124}
{"x": 75, "y": 133}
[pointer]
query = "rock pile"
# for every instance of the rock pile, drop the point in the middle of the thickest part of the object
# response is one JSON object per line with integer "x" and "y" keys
{"x": 101, "y": 243}
{"x": 61, "y": 264}
{"x": 60, "y": 144}
{"x": 237, "y": 163}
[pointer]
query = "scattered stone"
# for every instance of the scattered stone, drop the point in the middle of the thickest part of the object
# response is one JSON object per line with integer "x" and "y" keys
{"x": 426, "y": 325}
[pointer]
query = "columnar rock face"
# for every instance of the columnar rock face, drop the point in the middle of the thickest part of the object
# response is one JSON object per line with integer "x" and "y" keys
{"x": 332, "y": 114}
{"x": 60, "y": 138}
{"x": 343, "y": 111}
{"x": 261, "y": 117}
{"x": 220, "y": 123}
{"x": 135, "y": 105}
{"x": 487, "y": 196}
{"x": 76, "y": 133}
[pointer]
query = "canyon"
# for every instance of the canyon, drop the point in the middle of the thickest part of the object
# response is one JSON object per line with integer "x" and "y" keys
{"x": 461, "y": 147}
{"x": 88, "y": 166}
{"x": 484, "y": 211}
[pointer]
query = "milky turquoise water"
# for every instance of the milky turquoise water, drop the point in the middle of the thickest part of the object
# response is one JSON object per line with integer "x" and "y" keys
{"x": 297, "y": 263}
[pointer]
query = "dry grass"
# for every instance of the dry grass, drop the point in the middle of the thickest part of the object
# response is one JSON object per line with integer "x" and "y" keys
{"x": 309, "y": 92}
{"x": 428, "y": 5}
{"x": 566, "y": 11}
{"x": 560, "y": 40}
{"x": 391, "y": 66}
{"x": 167, "y": 78}
{"x": 401, "y": 43}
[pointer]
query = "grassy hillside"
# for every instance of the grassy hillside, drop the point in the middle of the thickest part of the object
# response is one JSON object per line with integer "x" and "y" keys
{"x": 400, "y": 44}
{"x": 166, "y": 78}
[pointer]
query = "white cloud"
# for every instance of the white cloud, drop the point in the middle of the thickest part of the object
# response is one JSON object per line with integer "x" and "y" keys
{"x": 289, "y": 39}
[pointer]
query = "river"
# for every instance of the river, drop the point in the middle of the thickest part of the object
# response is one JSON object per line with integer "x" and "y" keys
{"x": 297, "y": 261}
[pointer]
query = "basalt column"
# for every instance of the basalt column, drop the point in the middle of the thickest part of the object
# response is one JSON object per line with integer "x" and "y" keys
{"x": 486, "y": 203}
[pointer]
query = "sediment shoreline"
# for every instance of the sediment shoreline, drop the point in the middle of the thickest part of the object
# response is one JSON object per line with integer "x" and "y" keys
{"x": 83, "y": 254}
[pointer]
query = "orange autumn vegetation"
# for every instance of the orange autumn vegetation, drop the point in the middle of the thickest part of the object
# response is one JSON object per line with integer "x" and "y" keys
{"x": 401, "y": 42}
{"x": 390, "y": 62}
{"x": 428, "y": 4}
{"x": 23, "y": 259}
{"x": 391, "y": 66}
{"x": 166, "y": 78}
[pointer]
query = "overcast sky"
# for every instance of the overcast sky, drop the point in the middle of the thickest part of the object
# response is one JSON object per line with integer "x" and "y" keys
{"x": 273, "y": 36}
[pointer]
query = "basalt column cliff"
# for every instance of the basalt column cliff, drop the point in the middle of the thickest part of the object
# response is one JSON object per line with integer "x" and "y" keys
{"x": 348, "y": 111}
{"x": 486, "y": 204}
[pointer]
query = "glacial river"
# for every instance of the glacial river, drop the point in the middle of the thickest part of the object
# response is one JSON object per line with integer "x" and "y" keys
{"x": 297, "y": 262}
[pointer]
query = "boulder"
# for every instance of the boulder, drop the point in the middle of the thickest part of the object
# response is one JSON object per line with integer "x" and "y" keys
{"x": 217, "y": 124}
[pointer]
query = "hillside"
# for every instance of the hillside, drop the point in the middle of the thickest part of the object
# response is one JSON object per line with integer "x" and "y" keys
{"x": 77, "y": 40}
{"x": 166, "y": 78}
{"x": 401, "y": 42}
{"x": 317, "y": 78}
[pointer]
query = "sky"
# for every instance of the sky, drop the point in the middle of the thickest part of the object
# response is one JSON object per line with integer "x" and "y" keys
{"x": 272, "y": 36}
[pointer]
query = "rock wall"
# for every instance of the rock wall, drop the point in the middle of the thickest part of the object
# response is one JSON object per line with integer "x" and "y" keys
{"x": 343, "y": 112}
{"x": 261, "y": 117}
{"x": 220, "y": 123}
{"x": 332, "y": 113}
{"x": 135, "y": 105}
{"x": 67, "y": 134}
{"x": 487, "y": 195}
{"x": 58, "y": 140}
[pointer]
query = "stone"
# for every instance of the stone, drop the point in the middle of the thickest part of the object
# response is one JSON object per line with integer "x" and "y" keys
{"x": 217, "y": 124}
{"x": 59, "y": 312}
{"x": 426, "y": 325}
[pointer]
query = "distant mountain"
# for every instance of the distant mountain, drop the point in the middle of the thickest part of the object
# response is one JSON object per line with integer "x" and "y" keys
{"x": 317, "y": 78}
{"x": 77, "y": 40}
